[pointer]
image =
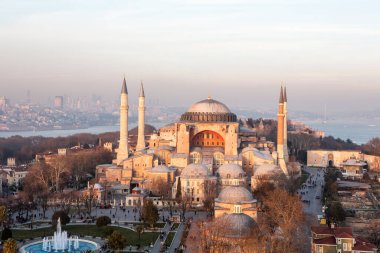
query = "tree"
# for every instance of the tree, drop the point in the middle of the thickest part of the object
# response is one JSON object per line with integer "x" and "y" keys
{"x": 372, "y": 147}
{"x": 116, "y": 241}
{"x": 366, "y": 177}
{"x": 150, "y": 213}
{"x": 3, "y": 214}
{"x": 37, "y": 185}
{"x": 10, "y": 246}
{"x": 374, "y": 233}
{"x": 60, "y": 214}
{"x": 140, "y": 230}
{"x": 335, "y": 212}
{"x": 160, "y": 187}
{"x": 6, "y": 234}
{"x": 89, "y": 198}
{"x": 59, "y": 166}
{"x": 178, "y": 194}
{"x": 284, "y": 222}
{"x": 103, "y": 221}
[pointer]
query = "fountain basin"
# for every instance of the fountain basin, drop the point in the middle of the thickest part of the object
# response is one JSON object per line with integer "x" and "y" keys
{"x": 37, "y": 247}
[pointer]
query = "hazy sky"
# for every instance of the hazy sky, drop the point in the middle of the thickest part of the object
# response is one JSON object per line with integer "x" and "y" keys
{"x": 237, "y": 51}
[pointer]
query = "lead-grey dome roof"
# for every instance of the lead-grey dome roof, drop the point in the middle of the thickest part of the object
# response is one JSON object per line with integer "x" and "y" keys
{"x": 209, "y": 110}
{"x": 235, "y": 195}
{"x": 209, "y": 105}
{"x": 239, "y": 225}
{"x": 195, "y": 170}
{"x": 234, "y": 170}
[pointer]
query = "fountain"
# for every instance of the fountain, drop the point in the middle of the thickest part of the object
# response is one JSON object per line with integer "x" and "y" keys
{"x": 59, "y": 242}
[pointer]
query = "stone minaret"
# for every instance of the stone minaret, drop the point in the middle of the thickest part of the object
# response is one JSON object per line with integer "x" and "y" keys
{"x": 286, "y": 152}
{"x": 122, "y": 152}
{"x": 141, "y": 124}
{"x": 280, "y": 133}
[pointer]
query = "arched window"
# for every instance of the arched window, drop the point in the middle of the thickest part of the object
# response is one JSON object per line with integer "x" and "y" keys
{"x": 228, "y": 176}
{"x": 218, "y": 159}
{"x": 237, "y": 209}
{"x": 195, "y": 157}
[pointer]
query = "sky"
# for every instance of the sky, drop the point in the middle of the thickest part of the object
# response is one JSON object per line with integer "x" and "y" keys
{"x": 237, "y": 51}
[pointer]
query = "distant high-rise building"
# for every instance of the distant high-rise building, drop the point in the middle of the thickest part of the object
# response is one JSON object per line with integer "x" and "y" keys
{"x": 58, "y": 102}
{"x": 3, "y": 103}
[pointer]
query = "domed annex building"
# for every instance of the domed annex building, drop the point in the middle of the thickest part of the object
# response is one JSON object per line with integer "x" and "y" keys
{"x": 193, "y": 182}
{"x": 235, "y": 200}
{"x": 206, "y": 146}
{"x": 231, "y": 174}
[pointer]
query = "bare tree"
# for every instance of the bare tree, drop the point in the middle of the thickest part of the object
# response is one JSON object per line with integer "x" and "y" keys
{"x": 59, "y": 166}
{"x": 283, "y": 222}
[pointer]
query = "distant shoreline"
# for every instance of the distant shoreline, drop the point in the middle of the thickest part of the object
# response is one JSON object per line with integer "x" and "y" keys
{"x": 360, "y": 132}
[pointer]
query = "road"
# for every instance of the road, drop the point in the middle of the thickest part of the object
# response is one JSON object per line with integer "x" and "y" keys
{"x": 311, "y": 192}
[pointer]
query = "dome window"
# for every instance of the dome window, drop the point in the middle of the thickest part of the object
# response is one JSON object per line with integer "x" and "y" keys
{"x": 237, "y": 209}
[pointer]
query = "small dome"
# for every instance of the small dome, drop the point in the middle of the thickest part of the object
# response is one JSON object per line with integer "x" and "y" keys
{"x": 98, "y": 187}
{"x": 234, "y": 171}
{"x": 267, "y": 170}
{"x": 195, "y": 170}
{"x": 239, "y": 225}
{"x": 235, "y": 195}
{"x": 209, "y": 106}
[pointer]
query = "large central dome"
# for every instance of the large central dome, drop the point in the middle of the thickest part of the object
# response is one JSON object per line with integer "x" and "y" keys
{"x": 209, "y": 106}
{"x": 209, "y": 110}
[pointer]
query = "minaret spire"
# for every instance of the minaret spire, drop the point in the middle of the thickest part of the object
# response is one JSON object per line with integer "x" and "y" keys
{"x": 281, "y": 95}
{"x": 141, "y": 120}
{"x": 142, "y": 93}
{"x": 124, "y": 89}
{"x": 285, "y": 96}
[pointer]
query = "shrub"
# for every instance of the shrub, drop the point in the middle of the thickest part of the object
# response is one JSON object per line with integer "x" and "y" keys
{"x": 103, "y": 221}
{"x": 108, "y": 231}
{"x": 6, "y": 234}
{"x": 60, "y": 214}
{"x": 10, "y": 246}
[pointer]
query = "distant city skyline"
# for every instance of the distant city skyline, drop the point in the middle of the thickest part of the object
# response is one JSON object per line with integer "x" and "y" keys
{"x": 235, "y": 51}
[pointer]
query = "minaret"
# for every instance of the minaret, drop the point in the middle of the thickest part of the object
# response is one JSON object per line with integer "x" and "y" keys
{"x": 141, "y": 124}
{"x": 122, "y": 152}
{"x": 286, "y": 152}
{"x": 280, "y": 133}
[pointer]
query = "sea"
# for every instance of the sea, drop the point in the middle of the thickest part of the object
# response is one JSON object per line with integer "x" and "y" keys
{"x": 359, "y": 131}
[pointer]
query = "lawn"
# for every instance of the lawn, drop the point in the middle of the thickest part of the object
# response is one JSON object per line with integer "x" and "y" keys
{"x": 89, "y": 230}
{"x": 169, "y": 239}
{"x": 175, "y": 226}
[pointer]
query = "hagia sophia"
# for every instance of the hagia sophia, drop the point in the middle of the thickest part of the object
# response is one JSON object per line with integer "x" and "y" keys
{"x": 207, "y": 147}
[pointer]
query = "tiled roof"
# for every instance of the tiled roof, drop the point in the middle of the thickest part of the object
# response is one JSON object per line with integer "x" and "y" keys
{"x": 343, "y": 235}
{"x": 346, "y": 232}
{"x": 363, "y": 245}
{"x": 326, "y": 241}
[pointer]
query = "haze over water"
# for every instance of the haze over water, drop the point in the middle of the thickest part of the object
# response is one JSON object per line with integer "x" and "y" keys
{"x": 236, "y": 51}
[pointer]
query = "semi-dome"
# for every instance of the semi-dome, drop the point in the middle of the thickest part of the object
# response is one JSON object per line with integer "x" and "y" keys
{"x": 267, "y": 170}
{"x": 209, "y": 110}
{"x": 239, "y": 225}
{"x": 235, "y": 195}
{"x": 195, "y": 170}
{"x": 230, "y": 170}
{"x": 209, "y": 105}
